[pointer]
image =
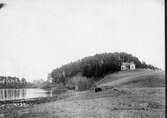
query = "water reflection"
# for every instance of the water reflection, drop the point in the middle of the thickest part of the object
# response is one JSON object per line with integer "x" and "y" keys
{"x": 11, "y": 94}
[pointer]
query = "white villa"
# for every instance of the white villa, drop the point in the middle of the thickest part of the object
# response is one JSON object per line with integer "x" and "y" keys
{"x": 128, "y": 66}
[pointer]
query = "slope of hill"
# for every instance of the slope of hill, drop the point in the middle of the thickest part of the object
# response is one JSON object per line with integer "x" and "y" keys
{"x": 137, "y": 78}
{"x": 96, "y": 66}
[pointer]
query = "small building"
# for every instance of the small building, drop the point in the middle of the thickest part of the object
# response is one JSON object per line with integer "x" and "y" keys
{"x": 128, "y": 66}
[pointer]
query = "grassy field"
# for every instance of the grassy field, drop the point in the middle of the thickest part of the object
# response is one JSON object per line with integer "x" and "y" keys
{"x": 138, "y": 78}
{"x": 136, "y": 94}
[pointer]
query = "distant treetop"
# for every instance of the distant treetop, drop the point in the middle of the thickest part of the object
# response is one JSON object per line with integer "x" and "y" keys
{"x": 2, "y": 5}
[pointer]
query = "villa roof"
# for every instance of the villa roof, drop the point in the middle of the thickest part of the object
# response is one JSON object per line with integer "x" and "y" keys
{"x": 127, "y": 63}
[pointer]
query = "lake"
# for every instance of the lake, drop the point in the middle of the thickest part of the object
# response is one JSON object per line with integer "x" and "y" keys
{"x": 13, "y": 94}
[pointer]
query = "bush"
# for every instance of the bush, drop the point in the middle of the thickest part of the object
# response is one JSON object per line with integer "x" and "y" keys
{"x": 80, "y": 83}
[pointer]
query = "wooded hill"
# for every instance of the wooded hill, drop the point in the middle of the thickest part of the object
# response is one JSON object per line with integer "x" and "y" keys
{"x": 95, "y": 67}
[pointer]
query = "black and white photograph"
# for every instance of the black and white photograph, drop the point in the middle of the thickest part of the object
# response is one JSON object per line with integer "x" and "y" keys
{"x": 82, "y": 59}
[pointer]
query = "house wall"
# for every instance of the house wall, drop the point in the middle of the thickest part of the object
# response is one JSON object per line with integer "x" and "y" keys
{"x": 132, "y": 67}
{"x": 123, "y": 68}
{"x": 128, "y": 67}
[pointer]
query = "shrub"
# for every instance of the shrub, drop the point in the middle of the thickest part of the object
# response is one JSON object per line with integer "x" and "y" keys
{"x": 80, "y": 83}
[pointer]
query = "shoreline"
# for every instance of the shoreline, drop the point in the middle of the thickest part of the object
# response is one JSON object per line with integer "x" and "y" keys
{"x": 25, "y": 103}
{"x": 37, "y": 100}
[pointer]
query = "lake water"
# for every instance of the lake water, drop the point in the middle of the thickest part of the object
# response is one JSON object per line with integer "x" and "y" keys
{"x": 12, "y": 94}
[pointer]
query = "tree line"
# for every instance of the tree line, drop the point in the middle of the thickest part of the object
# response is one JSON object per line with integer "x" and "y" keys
{"x": 96, "y": 66}
{"x": 12, "y": 82}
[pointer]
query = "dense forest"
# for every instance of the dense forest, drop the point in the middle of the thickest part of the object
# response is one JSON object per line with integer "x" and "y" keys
{"x": 95, "y": 67}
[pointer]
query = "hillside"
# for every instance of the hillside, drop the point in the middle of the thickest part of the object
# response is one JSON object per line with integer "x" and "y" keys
{"x": 96, "y": 66}
{"x": 131, "y": 79}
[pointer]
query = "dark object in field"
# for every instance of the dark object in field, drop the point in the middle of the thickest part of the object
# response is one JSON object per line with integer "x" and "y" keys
{"x": 98, "y": 89}
{"x": 1, "y": 5}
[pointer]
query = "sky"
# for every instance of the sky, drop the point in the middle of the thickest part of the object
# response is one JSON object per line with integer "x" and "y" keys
{"x": 37, "y": 36}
